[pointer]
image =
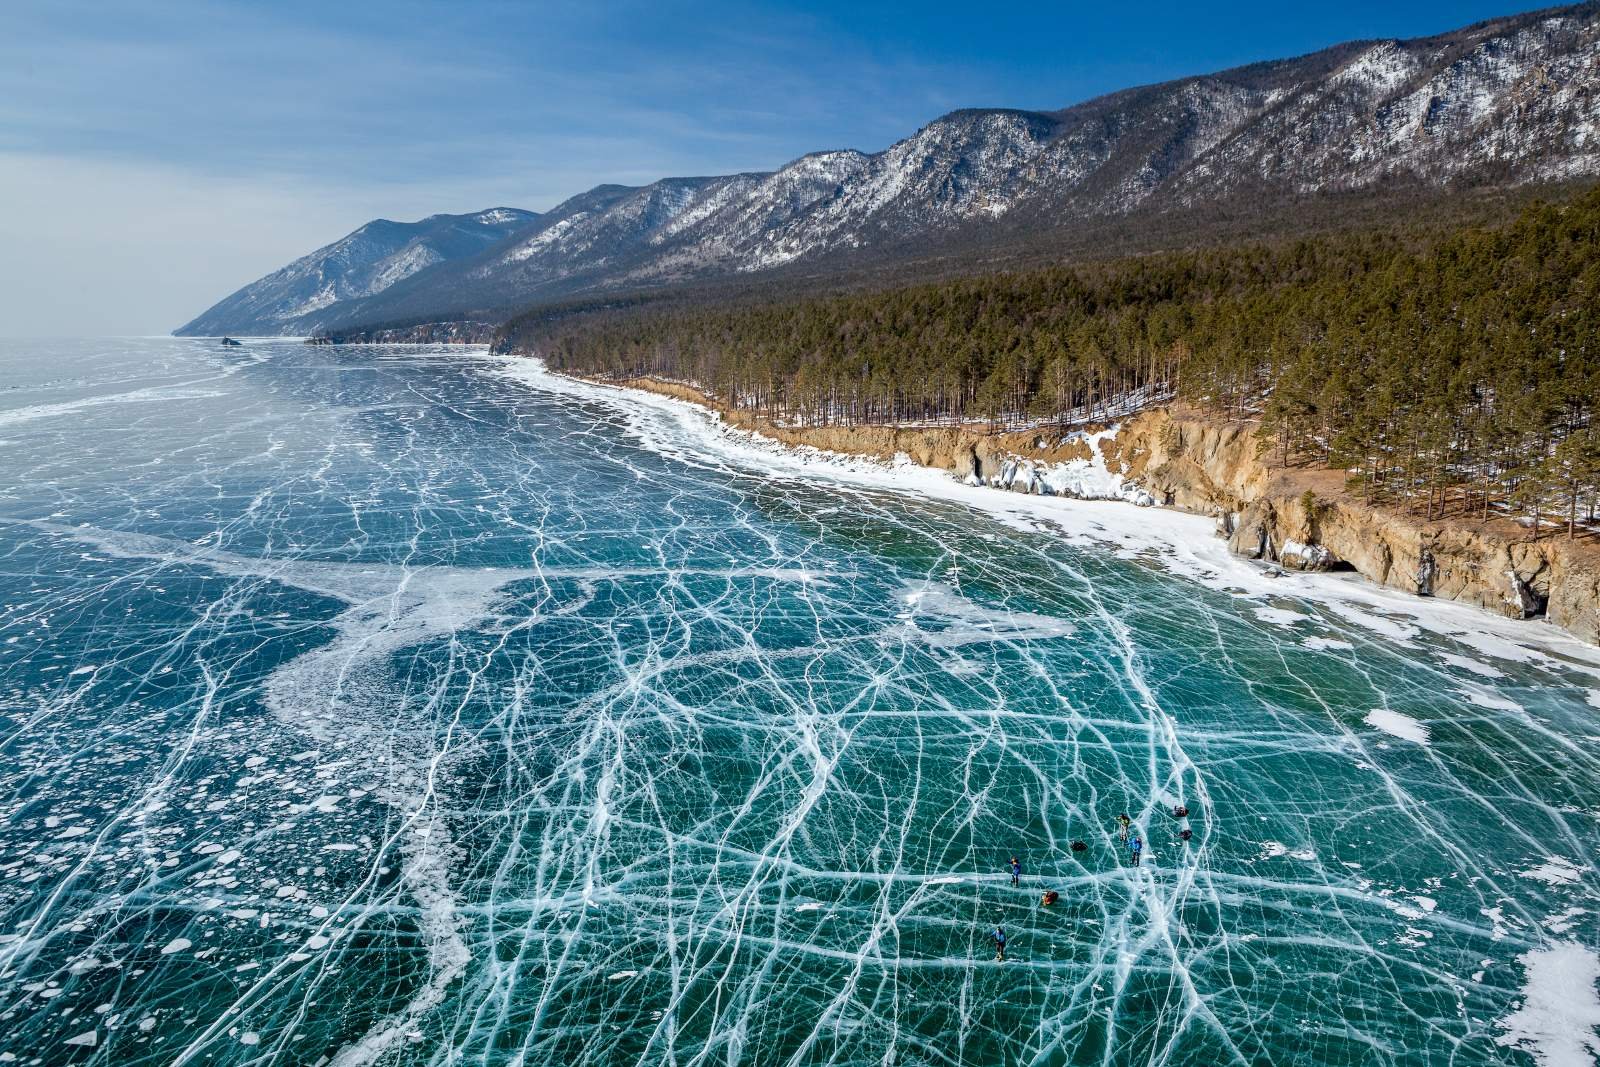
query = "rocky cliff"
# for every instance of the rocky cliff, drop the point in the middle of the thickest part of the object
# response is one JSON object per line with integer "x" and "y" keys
{"x": 1303, "y": 519}
{"x": 1298, "y": 518}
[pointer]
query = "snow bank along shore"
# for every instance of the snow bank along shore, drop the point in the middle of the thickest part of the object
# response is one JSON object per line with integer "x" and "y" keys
{"x": 675, "y": 421}
{"x": 1211, "y": 467}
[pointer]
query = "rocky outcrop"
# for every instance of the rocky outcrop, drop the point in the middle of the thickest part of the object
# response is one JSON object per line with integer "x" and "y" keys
{"x": 1574, "y": 599}
{"x": 1204, "y": 465}
{"x": 1297, "y": 518}
{"x": 1303, "y": 520}
{"x": 1483, "y": 567}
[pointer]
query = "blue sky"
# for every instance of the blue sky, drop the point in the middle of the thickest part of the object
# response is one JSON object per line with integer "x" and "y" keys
{"x": 156, "y": 155}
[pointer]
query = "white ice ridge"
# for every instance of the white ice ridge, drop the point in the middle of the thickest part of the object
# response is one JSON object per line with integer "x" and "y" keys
{"x": 72, "y": 407}
{"x": 1560, "y": 1009}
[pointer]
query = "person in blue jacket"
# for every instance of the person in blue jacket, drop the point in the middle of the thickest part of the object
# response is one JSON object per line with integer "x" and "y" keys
{"x": 999, "y": 936}
{"x": 1016, "y": 871}
{"x": 1135, "y": 846}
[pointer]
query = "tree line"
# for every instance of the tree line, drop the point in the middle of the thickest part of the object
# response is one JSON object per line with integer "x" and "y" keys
{"x": 1448, "y": 372}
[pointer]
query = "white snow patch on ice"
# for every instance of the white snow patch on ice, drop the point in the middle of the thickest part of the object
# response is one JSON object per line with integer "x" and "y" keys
{"x": 941, "y": 617}
{"x": 1483, "y": 670}
{"x": 1562, "y": 922}
{"x": 1555, "y": 870}
{"x": 1397, "y": 724}
{"x": 1485, "y": 699}
{"x": 1281, "y": 617}
{"x": 1560, "y": 1008}
{"x": 1327, "y": 644}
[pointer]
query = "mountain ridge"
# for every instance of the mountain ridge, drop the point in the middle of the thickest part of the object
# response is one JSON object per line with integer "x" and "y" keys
{"x": 1505, "y": 102}
{"x": 369, "y": 259}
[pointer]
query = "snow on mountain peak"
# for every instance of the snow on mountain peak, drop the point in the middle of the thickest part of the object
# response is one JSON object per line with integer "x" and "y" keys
{"x": 1507, "y": 102}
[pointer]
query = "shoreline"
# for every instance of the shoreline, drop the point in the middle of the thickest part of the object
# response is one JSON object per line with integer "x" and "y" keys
{"x": 1301, "y": 519}
{"x": 1186, "y": 542}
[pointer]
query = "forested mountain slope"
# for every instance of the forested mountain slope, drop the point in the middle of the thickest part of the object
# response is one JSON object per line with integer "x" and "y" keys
{"x": 1507, "y": 103}
{"x": 1457, "y": 372}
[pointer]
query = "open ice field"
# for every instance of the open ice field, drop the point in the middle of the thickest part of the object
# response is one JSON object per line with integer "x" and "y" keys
{"x": 400, "y": 707}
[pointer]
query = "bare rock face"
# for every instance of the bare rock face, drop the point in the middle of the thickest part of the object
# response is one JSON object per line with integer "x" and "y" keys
{"x": 1574, "y": 599}
{"x": 1214, "y": 467}
{"x": 1205, "y": 466}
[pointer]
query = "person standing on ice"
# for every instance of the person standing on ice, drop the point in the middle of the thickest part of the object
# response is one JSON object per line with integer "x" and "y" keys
{"x": 1016, "y": 871}
{"x": 1135, "y": 846}
{"x": 999, "y": 936}
{"x": 1123, "y": 822}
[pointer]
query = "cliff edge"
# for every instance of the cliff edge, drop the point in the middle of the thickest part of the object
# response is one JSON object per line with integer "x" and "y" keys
{"x": 1300, "y": 518}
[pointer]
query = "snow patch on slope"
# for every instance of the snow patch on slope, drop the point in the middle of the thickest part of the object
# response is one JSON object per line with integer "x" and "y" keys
{"x": 1084, "y": 479}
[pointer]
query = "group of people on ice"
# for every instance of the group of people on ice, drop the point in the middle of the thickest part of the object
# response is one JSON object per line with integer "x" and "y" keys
{"x": 1127, "y": 834}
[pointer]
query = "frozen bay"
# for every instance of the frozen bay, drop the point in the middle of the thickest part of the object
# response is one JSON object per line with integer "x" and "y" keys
{"x": 399, "y": 706}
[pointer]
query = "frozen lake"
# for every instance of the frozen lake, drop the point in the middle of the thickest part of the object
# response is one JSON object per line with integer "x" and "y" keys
{"x": 401, "y": 706}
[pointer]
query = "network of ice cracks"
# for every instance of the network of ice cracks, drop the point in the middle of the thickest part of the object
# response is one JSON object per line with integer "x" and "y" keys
{"x": 374, "y": 707}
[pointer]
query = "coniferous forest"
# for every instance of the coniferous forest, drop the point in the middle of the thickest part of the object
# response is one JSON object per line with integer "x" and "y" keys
{"x": 1450, "y": 372}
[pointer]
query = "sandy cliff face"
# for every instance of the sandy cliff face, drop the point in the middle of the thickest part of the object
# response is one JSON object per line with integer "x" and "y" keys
{"x": 1214, "y": 467}
{"x": 1198, "y": 463}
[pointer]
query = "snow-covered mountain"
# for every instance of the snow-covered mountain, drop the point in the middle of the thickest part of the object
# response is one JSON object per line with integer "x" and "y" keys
{"x": 1512, "y": 101}
{"x": 298, "y": 298}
